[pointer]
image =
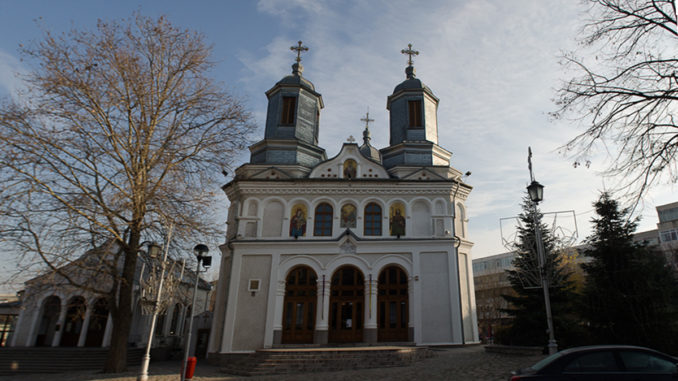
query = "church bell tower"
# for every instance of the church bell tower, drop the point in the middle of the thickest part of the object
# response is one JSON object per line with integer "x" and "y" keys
{"x": 413, "y": 110}
{"x": 292, "y": 121}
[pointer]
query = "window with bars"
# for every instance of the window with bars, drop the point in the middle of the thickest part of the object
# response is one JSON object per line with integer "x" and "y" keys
{"x": 372, "y": 219}
{"x": 322, "y": 225}
{"x": 289, "y": 105}
{"x": 414, "y": 112}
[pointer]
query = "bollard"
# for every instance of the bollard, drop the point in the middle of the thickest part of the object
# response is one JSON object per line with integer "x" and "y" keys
{"x": 190, "y": 367}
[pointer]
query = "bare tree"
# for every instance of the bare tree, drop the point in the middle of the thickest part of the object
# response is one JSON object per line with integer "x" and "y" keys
{"x": 627, "y": 95}
{"x": 119, "y": 133}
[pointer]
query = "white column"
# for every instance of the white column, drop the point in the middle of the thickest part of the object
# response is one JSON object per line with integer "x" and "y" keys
{"x": 323, "y": 303}
{"x": 85, "y": 326}
{"x": 371, "y": 295}
{"x": 60, "y": 323}
{"x": 279, "y": 305}
{"x": 106, "y": 342}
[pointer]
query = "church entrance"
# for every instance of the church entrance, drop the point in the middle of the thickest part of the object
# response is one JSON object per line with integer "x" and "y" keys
{"x": 299, "y": 308}
{"x": 392, "y": 304}
{"x": 347, "y": 299}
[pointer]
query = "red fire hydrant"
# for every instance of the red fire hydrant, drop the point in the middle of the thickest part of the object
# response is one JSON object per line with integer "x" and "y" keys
{"x": 190, "y": 367}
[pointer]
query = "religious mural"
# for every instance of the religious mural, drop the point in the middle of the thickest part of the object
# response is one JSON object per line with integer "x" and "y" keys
{"x": 350, "y": 169}
{"x": 397, "y": 219}
{"x": 348, "y": 216}
{"x": 298, "y": 221}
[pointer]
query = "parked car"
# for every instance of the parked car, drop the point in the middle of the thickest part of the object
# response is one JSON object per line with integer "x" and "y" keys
{"x": 602, "y": 363}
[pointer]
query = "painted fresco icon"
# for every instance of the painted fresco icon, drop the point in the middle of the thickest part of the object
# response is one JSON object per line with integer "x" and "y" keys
{"x": 348, "y": 216}
{"x": 298, "y": 221}
{"x": 397, "y": 219}
{"x": 350, "y": 169}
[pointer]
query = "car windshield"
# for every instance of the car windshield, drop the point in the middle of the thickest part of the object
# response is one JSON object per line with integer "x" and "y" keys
{"x": 545, "y": 361}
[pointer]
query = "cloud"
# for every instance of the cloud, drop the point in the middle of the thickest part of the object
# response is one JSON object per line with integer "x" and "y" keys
{"x": 10, "y": 69}
{"x": 494, "y": 66}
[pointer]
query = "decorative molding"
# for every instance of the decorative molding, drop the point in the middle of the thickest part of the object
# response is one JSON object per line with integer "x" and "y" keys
{"x": 347, "y": 247}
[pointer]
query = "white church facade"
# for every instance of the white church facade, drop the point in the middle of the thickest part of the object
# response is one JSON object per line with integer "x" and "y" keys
{"x": 370, "y": 246}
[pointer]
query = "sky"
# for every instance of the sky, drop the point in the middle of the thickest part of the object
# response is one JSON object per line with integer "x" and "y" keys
{"x": 494, "y": 65}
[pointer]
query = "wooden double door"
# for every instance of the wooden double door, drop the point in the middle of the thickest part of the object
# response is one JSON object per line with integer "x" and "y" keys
{"x": 299, "y": 310}
{"x": 347, "y": 301}
{"x": 392, "y": 305}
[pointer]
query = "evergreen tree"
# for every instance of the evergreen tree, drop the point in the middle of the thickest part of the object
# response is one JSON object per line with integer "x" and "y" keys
{"x": 630, "y": 293}
{"x": 527, "y": 308}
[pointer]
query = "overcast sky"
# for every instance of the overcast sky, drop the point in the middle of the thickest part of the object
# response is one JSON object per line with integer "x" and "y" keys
{"x": 493, "y": 65}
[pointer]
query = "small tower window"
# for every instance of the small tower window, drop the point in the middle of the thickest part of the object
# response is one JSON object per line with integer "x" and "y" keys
{"x": 414, "y": 108}
{"x": 323, "y": 220}
{"x": 289, "y": 105}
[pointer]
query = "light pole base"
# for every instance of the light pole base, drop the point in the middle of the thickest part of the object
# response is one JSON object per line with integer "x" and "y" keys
{"x": 553, "y": 347}
{"x": 143, "y": 375}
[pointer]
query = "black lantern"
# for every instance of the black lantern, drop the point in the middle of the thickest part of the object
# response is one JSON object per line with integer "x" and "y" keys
{"x": 200, "y": 251}
{"x": 154, "y": 250}
{"x": 536, "y": 191}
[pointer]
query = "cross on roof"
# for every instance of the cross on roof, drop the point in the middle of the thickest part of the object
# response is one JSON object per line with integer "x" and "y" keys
{"x": 350, "y": 139}
{"x": 367, "y": 119}
{"x": 410, "y": 53}
{"x": 299, "y": 49}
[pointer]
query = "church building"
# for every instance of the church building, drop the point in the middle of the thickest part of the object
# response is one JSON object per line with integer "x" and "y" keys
{"x": 369, "y": 246}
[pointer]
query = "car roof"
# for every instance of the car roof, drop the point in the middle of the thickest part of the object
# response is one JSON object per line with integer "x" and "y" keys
{"x": 605, "y": 347}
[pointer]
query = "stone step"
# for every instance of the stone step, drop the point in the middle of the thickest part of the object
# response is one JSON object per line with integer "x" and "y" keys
{"x": 281, "y": 361}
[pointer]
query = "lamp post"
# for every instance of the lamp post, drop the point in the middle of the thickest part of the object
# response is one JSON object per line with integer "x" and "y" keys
{"x": 153, "y": 251}
{"x": 200, "y": 252}
{"x": 536, "y": 193}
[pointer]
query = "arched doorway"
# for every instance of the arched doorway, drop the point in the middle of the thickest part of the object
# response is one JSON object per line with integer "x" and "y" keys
{"x": 97, "y": 323}
{"x": 392, "y": 305}
{"x": 49, "y": 318}
{"x": 347, "y": 299}
{"x": 301, "y": 288}
{"x": 75, "y": 315}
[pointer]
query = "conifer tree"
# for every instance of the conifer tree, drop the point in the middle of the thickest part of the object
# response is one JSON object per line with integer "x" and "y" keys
{"x": 529, "y": 325}
{"x": 630, "y": 294}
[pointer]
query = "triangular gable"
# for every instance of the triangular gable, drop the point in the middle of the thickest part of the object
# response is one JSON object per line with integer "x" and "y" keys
{"x": 271, "y": 173}
{"x": 423, "y": 174}
{"x": 349, "y": 164}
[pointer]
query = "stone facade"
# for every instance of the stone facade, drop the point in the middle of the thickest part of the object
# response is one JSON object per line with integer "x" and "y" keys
{"x": 350, "y": 249}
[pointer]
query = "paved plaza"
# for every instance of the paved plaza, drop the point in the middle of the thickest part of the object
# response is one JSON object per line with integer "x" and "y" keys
{"x": 460, "y": 363}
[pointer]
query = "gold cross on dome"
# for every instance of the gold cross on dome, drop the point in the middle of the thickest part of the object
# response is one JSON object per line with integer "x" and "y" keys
{"x": 350, "y": 139}
{"x": 410, "y": 53}
{"x": 299, "y": 49}
{"x": 367, "y": 119}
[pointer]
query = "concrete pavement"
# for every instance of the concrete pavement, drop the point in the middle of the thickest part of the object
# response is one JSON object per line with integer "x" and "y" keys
{"x": 459, "y": 363}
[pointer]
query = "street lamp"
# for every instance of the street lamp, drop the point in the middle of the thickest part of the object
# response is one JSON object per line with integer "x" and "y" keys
{"x": 536, "y": 193}
{"x": 200, "y": 252}
{"x": 153, "y": 253}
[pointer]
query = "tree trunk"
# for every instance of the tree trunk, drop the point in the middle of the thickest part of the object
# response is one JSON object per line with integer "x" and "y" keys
{"x": 116, "y": 361}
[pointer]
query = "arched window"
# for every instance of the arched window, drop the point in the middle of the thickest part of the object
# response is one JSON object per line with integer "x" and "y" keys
{"x": 323, "y": 220}
{"x": 372, "y": 219}
{"x": 174, "y": 325}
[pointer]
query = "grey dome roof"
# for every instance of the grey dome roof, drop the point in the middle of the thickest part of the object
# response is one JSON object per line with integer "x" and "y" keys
{"x": 296, "y": 79}
{"x": 411, "y": 83}
{"x": 370, "y": 152}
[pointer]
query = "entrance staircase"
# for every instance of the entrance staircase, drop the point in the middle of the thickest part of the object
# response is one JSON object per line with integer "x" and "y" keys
{"x": 308, "y": 359}
{"x": 16, "y": 360}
